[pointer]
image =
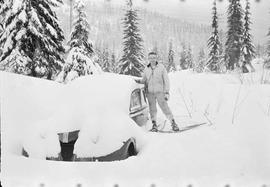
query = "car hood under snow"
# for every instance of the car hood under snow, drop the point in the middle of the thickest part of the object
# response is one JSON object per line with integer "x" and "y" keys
{"x": 96, "y": 105}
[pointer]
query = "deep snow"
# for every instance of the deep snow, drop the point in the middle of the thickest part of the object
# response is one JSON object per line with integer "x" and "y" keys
{"x": 233, "y": 148}
{"x": 98, "y": 106}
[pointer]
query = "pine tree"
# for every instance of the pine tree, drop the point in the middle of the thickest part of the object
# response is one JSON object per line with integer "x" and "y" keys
{"x": 189, "y": 58}
{"x": 131, "y": 61}
{"x": 268, "y": 45}
{"x": 201, "y": 61}
{"x": 1, "y": 16}
{"x": 99, "y": 54}
{"x": 183, "y": 58}
{"x": 248, "y": 49}
{"x": 214, "y": 43}
{"x": 106, "y": 64}
{"x": 32, "y": 39}
{"x": 260, "y": 50}
{"x": 221, "y": 45}
{"x": 114, "y": 63}
{"x": 234, "y": 34}
{"x": 186, "y": 57}
{"x": 171, "y": 65}
{"x": 3, "y": 9}
{"x": 80, "y": 60}
{"x": 2, "y": 12}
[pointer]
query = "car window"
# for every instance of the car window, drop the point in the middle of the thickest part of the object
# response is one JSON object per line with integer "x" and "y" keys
{"x": 135, "y": 101}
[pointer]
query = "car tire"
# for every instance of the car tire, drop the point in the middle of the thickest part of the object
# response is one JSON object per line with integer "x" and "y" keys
{"x": 131, "y": 151}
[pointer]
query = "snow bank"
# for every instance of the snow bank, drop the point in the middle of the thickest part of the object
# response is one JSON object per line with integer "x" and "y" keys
{"x": 96, "y": 105}
{"x": 208, "y": 97}
{"x": 24, "y": 102}
{"x": 99, "y": 106}
{"x": 234, "y": 150}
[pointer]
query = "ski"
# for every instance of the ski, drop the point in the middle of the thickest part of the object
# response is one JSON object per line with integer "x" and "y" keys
{"x": 182, "y": 129}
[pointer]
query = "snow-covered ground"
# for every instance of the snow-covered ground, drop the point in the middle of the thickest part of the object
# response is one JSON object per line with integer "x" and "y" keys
{"x": 233, "y": 148}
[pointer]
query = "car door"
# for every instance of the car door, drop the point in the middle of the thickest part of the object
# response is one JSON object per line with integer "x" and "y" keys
{"x": 139, "y": 107}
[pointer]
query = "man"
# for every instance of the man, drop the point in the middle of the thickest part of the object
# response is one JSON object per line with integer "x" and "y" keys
{"x": 157, "y": 86}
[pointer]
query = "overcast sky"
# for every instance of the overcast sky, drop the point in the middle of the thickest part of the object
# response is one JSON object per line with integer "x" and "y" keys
{"x": 199, "y": 11}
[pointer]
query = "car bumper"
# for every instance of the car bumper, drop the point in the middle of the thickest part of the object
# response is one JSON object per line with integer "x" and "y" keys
{"x": 128, "y": 149}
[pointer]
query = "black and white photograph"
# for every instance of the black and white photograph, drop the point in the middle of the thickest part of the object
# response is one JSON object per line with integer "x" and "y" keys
{"x": 135, "y": 93}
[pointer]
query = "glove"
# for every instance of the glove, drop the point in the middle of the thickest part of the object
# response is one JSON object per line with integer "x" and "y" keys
{"x": 167, "y": 96}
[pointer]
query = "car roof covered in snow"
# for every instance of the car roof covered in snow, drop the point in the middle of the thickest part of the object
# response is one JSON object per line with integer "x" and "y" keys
{"x": 96, "y": 105}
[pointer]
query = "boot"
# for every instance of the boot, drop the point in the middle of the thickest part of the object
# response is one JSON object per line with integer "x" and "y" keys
{"x": 154, "y": 127}
{"x": 175, "y": 126}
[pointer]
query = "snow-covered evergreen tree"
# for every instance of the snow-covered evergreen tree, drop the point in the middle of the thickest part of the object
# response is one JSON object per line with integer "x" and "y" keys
{"x": 1, "y": 16}
{"x": 81, "y": 58}
{"x": 186, "y": 57}
{"x": 221, "y": 46}
{"x": 261, "y": 50}
{"x": 189, "y": 58}
{"x": 199, "y": 67}
{"x": 114, "y": 63}
{"x": 183, "y": 57}
{"x": 267, "y": 61}
{"x": 3, "y": 9}
{"x": 131, "y": 61}
{"x": 98, "y": 51}
{"x": 248, "y": 49}
{"x": 222, "y": 68}
{"x": 214, "y": 43}
{"x": 106, "y": 63}
{"x": 171, "y": 65}
{"x": 234, "y": 34}
{"x": 32, "y": 38}
{"x": 268, "y": 44}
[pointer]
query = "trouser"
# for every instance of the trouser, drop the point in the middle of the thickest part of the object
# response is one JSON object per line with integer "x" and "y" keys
{"x": 153, "y": 98}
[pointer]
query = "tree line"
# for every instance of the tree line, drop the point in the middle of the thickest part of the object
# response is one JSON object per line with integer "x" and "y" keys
{"x": 236, "y": 53}
{"x": 31, "y": 42}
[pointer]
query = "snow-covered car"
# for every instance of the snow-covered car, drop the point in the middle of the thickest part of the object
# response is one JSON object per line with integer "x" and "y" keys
{"x": 95, "y": 118}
